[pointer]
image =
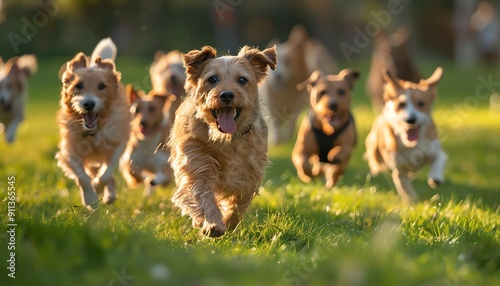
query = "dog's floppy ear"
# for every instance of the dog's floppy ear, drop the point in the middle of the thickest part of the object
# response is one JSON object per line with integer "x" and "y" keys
{"x": 260, "y": 60}
{"x": 195, "y": 60}
{"x": 435, "y": 77}
{"x": 311, "y": 81}
{"x": 350, "y": 76}
{"x": 132, "y": 94}
{"x": 161, "y": 98}
{"x": 78, "y": 62}
{"x": 109, "y": 65}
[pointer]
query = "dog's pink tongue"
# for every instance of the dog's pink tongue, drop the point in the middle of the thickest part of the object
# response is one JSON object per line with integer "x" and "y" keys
{"x": 90, "y": 119}
{"x": 412, "y": 134}
{"x": 226, "y": 120}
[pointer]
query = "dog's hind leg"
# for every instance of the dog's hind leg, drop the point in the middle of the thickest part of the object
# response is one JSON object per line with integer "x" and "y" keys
{"x": 404, "y": 187}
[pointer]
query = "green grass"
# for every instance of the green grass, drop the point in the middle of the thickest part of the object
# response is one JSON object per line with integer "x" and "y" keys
{"x": 359, "y": 233}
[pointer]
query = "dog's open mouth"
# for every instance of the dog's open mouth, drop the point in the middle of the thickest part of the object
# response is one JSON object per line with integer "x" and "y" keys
{"x": 90, "y": 119}
{"x": 332, "y": 120}
{"x": 412, "y": 133}
{"x": 226, "y": 118}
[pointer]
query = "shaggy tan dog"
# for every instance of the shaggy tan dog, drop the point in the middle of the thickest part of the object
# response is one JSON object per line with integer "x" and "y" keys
{"x": 219, "y": 139}
{"x": 94, "y": 123}
{"x": 146, "y": 157}
{"x": 14, "y": 76}
{"x": 327, "y": 135}
{"x": 404, "y": 137}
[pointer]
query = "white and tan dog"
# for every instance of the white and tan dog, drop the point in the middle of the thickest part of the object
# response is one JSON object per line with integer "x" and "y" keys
{"x": 14, "y": 76}
{"x": 404, "y": 137}
{"x": 146, "y": 157}
{"x": 94, "y": 122}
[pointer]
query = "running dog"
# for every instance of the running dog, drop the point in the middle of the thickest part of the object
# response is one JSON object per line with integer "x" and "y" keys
{"x": 94, "y": 122}
{"x": 219, "y": 140}
{"x": 327, "y": 135}
{"x": 404, "y": 137}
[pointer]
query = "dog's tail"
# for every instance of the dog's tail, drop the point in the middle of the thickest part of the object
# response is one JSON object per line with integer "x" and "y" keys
{"x": 27, "y": 64}
{"x": 105, "y": 49}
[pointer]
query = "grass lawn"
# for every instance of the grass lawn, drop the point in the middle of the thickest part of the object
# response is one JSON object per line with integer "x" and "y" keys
{"x": 358, "y": 233}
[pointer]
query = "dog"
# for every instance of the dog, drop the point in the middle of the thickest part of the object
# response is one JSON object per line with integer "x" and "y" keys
{"x": 167, "y": 74}
{"x": 403, "y": 137}
{"x": 219, "y": 139}
{"x": 299, "y": 56}
{"x": 94, "y": 123}
{"x": 146, "y": 157}
{"x": 390, "y": 53}
{"x": 327, "y": 134}
{"x": 14, "y": 75}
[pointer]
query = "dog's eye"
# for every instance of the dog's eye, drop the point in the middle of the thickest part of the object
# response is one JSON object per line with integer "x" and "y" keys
{"x": 242, "y": 80}
{"x": 341, "y": 92}
{"x": 213, "y": 79}
{"x": 421, "y": 103}
{"x": 137, "y": 110}
{"x": 401, "y": 105}
{"x": 323, "y": 92}
{"x": 79, "y": 85}
{"x": 101, "y": 86}
{"x": 151, "y": 109}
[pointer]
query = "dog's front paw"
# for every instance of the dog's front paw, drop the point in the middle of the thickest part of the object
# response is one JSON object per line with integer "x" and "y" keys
{"x": 212, "y": 230}
{"x": 434, "y": 183}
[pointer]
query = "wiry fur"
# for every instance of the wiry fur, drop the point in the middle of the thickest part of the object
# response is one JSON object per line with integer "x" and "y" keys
{"x": 330, "y": 97}
{"x": 146, "y": 157}
{"x": 14, "y": 76}
{"x": 217, "y": 173}
{"x": 404, "y": 137}
{"x": 94, "y": 124}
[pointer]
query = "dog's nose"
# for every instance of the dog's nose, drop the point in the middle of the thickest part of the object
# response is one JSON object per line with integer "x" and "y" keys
{"x": 143, "y": 123}
{"x": 412, "y": 119}
{"x": 226, "y": 96}
{"x": 333, "y": 105}
{"x": 89, "y": 105}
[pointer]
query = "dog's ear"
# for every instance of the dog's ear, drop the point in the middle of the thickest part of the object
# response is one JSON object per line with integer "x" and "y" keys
{"x": 392, "y": 84}
{"x": 435, "y": 77}
{"x": 27, "y": 64}
{"x": 78, "y": 62}
{"x": 132, "y": 94}
{"x": 161, "y": 98}
{"x": 158, "y": 55}
{"x": 195, "y": 60}
{"x": 109, "y": 65}
{"x": 298, "y": 35}
{"x": 260, "y": 60}
{"x": 350, "y": 76}
{"x": 12, "y": 67}
{"x": 311, "y": 81}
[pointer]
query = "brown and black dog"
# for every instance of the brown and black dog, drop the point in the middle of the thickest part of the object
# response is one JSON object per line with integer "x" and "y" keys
{"x": 328, "y": 134}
